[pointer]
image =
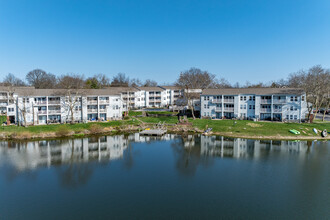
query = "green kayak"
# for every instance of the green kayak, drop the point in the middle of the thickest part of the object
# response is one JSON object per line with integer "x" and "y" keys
{"x": 294, "y": 131}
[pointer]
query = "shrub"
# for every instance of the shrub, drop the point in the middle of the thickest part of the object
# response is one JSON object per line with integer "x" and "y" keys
{"x": 95, "y": 128}
{"x": 62, "y": 131}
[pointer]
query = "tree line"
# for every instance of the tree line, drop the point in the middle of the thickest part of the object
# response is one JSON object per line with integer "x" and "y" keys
{"x": 315, "y": 81}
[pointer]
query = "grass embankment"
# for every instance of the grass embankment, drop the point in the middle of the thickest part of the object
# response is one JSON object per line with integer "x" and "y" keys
{"x": 244, "y": 129}
{"x": 261, "y": 129}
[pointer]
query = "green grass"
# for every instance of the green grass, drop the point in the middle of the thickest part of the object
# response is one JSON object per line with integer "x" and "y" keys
{"x": 134, "y": 113}
{"x": 251, "y": 128}
{"x": 162, "y": 113}
{"x": 71, "y": 127}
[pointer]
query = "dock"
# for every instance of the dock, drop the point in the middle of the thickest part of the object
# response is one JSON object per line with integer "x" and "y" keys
{"x": 153, "y": 132}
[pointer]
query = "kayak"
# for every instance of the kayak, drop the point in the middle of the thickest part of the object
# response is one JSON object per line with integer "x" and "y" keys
{"x": 314, "y": 129}
{"x": 293, "y": 131}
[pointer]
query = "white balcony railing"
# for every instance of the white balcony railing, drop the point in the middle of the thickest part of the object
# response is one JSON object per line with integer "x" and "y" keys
{"x": 279, "y": 101}
{"x": 228, "y": 109}
{"x": 42, "y": 112}
{"x": 104, "y": 101}
{"x": 54, "y": 111}
{"x": 265, "y": 101}
{"x": 91, "y": 101}
{"x": 40, "y": 103}
{"x": 91, "y": 110}
{"x": 103, "y": 110}
{"x": 277, "y": 110}
{"x": 218, "y": 109}
{"x": 228, "y": 100}
{"x": 54, "y": 102}
{"x": 216, "y": 100}
{"x": 265, "y": 110}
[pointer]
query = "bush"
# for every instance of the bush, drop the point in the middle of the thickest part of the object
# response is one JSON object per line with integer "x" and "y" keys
{"x": 95, "y": 128}
{"x": 62, "y": 131}
{"x": 126, "y": 118}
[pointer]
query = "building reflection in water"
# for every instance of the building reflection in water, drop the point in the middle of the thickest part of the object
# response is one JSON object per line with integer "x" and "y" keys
{"x": 29, "y": 155}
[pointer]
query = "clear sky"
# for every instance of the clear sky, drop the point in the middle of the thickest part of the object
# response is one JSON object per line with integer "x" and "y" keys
{"x": 240, "y": 40}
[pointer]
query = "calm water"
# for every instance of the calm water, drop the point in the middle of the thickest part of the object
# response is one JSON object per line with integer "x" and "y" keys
{"x": 179, "y": 177}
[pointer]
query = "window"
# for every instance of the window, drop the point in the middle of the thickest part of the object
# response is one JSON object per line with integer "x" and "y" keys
{"x": 291, "y": 108}
{"x": 287, "y": 117}
{"x": 291, "y": 117}
{"x": 295, "y": 117}
{"x": 208, "y": 98}
{"x": 254, "y": 98}
{"x": 204, "y": 98}
{"x": 250, "y": 106}
{"x": 302, "y": 98}
{"x": 254, "y": 107}
{"x": 204, "y": 105}
{"x": 291, "y": 98}
{"x": 296, "y": 98}
{"x": 244, "y": 106}
{"x": 241, "y": 106}
{"x": 244, "y": 98}
{"x": 250, "y": 98}
{"x": 241, "y": 98}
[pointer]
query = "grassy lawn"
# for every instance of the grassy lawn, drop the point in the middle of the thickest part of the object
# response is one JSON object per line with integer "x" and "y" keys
{"x": 72, "y": 127}
{"x": 239, "y": 128}
{"x": 161, "y": 113}
{"x": 259, "y": 128}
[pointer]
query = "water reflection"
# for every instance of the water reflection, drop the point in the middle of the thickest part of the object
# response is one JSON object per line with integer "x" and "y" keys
{"x": 188, "y": 150}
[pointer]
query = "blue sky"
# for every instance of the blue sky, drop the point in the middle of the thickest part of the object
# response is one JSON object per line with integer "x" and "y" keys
{"x": 250, "y": 40}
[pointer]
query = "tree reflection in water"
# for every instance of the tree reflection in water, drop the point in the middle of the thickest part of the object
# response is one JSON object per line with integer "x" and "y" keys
{"x": 74, "y": 174}
{"x": 187, "y": 153}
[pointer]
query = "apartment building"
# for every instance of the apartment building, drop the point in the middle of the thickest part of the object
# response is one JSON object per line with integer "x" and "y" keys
{"x": 280, "y": 104}
{"x": 27, "y": 105}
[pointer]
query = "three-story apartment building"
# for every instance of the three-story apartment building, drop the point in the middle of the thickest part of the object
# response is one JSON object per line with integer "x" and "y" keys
{"x": 261, "y": 103}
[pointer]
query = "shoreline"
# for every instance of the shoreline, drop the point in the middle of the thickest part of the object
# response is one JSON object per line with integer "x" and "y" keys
{"x": 131, "y": 129}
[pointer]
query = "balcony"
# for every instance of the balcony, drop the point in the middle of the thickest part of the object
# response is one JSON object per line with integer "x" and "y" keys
{"x": 92, "y": 110}
{"x": 40, "y": 103}
{"x": 42, "y": 112}
{"x": 265, "y": 101}
{"x": 104, "y": 101}
{"x": 228, "y": 100}
{"x": 103, "y": 110}
{"x": 92, "y": 102}
{"x": 3, "y": 104}
{"x": 218, "y": 109}
{"x": 279, "y": 101}
{"x": 265, "y": 110}
{"x": 55, "y": 111}
{"x": 217, "y": 101}
{"x": 3, "y": 97}
{"x": 277, "y": 110}
{"x": 54, "y": 102}
{"x": 229, "y": 109}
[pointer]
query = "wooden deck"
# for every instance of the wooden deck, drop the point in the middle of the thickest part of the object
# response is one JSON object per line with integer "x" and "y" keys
{"x": 153, "y": 132}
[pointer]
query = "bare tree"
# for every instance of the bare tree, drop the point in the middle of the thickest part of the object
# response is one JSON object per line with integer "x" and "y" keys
{"x": 97, "y": 81}
{"x": 135, "y": 82}
{"x": 120, "y": 80}
{"x": 11, "y": 80}
{"x": 315, "y": 82}
{"x": 191, "y": 79}
{"x": 149, "y": 82}
{"x": 71, "y": 81}
{"x": 222, "y": 83}
{"x": 40, "y": 79}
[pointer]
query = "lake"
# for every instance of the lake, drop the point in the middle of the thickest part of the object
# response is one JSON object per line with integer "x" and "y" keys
{"x": 170, "y": 177}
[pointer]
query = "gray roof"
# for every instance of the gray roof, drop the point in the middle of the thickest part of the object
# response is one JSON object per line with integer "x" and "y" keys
{"x": 151, "y": 88}
{"x": 172, "y": 87}
{"x": 30, "y": 91}
{"x": 253, "y": 91}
